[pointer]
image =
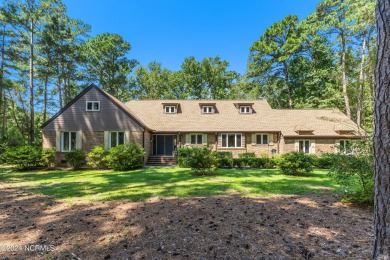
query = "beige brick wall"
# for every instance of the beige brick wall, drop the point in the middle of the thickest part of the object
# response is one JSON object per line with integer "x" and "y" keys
{"x": 261, "y": 149}
{"x": 48, "y": 139}
{"x": 92, "y": 139}
{"x": 321, "y": 145}
{"x": 148, "y": 145}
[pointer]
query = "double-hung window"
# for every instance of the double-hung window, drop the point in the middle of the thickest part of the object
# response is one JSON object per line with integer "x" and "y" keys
{"x": 231, "y": 140}
{"x": 93, "y": 106}
{"x": 196, "y": 139}
{"x": 117, "y": 138}
{"x": 304, "y": 146}
{"x": 262, "y": 139}
{"x": 170, "y": 109}
{"x": 207, "y": 110}
{"x": 245, "y": 110}
{"x": 68, "y": 141}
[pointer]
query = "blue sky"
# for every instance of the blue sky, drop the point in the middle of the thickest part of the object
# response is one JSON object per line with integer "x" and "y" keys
{"x": 170, "y": 30}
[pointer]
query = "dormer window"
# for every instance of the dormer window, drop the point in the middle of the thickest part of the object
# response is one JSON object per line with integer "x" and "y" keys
{"x": 170, "y": 109}
{"x": 207, "y": 110}
{"x": 245, "y": 110}
{"x": 93, "y": 106}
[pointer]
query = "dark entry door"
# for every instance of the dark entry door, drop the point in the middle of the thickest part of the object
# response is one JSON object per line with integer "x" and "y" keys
{"x": 163, "y": 144}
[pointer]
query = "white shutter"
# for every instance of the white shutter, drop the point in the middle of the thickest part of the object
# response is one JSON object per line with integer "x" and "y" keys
{"x": 58, "y": 141}
{"x": 127, "y": 137}
{"x": 312, "y": 147}
{"x": 271, "y": 139}
{"x": 204, "y": 139}
{"x": 79, "y": 139}
{"x": 253, "y": 136}
{"x": 106, "y": 140}
{"x": 242, "y": 140}
{"x": 188, "y": 139}
{"x": 296, "y": 146}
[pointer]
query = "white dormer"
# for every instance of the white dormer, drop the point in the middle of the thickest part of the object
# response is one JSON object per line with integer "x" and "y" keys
{"x": 171, "y": 108}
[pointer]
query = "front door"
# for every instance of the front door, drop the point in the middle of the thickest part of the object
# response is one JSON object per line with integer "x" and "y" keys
{"x": 164, "y": 144}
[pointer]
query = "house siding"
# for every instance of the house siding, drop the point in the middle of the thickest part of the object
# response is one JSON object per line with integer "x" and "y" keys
{"x": 109, "y": 118}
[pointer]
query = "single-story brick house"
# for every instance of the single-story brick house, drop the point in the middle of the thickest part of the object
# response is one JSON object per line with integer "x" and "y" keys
{"x": 95, "y": 117}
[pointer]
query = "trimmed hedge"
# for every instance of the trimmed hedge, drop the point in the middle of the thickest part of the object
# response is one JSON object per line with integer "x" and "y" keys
{"x": 296, "y": 163}
{"x": 76, "y": 158}
{"x": 24, "y": 157}
{"x": 246, "y": 155}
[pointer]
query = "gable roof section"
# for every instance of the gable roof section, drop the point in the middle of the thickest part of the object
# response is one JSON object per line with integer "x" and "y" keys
{"x": 322, "y": 122}
{"x": 114, "y": 100}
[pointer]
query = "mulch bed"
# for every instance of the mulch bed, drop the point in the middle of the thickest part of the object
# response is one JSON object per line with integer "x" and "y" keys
{"x": 220, "y": 227}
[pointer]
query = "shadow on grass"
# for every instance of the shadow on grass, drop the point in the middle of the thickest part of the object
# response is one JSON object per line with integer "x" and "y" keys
{"x": 151, "y": 182}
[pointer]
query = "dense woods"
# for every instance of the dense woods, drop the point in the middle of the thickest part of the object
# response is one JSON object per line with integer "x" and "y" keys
{"x": 325, "y": 60}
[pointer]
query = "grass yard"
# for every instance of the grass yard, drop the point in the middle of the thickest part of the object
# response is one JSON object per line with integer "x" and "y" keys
{"x": 97, "y": 185}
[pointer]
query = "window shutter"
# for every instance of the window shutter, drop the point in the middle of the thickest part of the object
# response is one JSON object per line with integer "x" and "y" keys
{"x": 219, "y": 138}
{"x": 253, "y": 136}
{"x": 106, "y": 140}
{"x": 296, "y": 146}
{"x": 127, "y": 137}
{"x": 79, "y": 139}
{"x": 271, "y": 139}
{"x": 58, "y": 141}
{"x": 242, "y": 140}
{"x": 204, "y": 139}
{"x": 312, "y": 147}
{"x": 188, "y": 139}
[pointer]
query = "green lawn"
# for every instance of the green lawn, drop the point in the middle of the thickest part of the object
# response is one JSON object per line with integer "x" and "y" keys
{"x": 145, "y": 183}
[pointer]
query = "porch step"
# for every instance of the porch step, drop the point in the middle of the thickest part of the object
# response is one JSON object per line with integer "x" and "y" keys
{"x": 161, "y": 161}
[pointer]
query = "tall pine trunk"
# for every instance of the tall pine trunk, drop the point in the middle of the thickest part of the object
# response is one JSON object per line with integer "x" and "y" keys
{"x": 32, "y": 112}
{"x": 361, "y": 85}
{"x": 2, "y": 89}
{"x": 45, "y": 98}
{"x": 381, "y": 248}
{"x": 344, "y": 76}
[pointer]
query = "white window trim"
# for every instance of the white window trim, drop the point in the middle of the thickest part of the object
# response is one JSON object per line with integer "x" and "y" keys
{"x": 261, "y": 138}
{"x": 70, "y": 141}
{"x": 235, "y": 140}
{"x": 196, "y": 138}
{"x": 343, "y": 149}
{"x": 86, "y": 106}
{"x": 170, "y": 112}
{"x": 207, "y": 112}
{"x": 117, "y": 139}
{"x": 304, "y": 140}
{"x": 246, "y": 112}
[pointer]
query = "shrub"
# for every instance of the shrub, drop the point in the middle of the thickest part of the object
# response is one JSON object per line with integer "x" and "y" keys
{"x": 49, "y": 157}
{"x": 324, "y": 161}
{"x": 224, "y": 162}
{"x": 23, "y": 157}
{"x": 355, "y": 175}
{"x": 76, "y": 158}
{"x": 97, "y": 158}
{"x": 183, "y": 154}
{"x": 223, "y": 154}
{"x": 246, "y": 155}
{"x": 202, "y": 160}
{"x": 126, "y": 157}
{"x": 296, "y": 163}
